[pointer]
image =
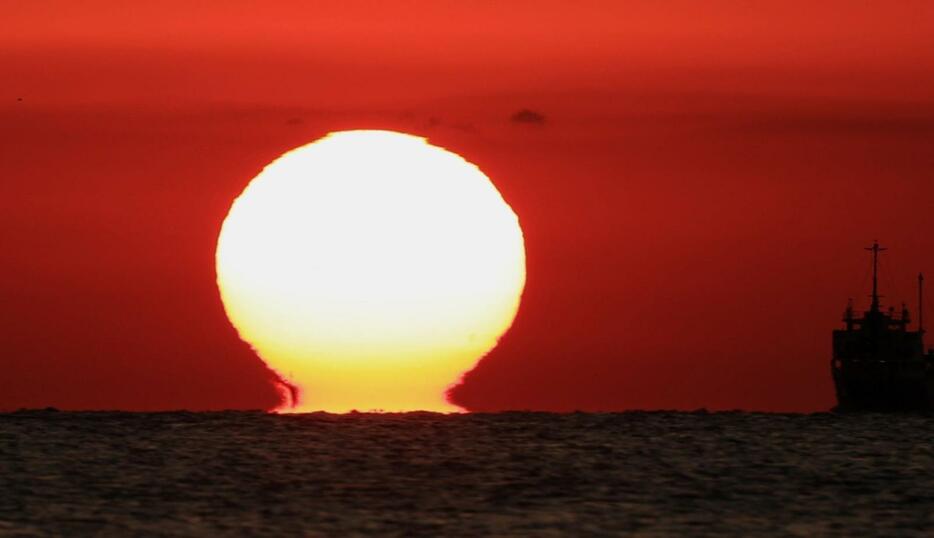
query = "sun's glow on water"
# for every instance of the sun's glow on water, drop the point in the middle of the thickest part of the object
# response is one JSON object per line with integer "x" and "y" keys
{"x": 372, "y": 270}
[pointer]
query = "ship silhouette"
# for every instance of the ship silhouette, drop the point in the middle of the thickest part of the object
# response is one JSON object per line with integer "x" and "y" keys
{"x": 878, "y": 364}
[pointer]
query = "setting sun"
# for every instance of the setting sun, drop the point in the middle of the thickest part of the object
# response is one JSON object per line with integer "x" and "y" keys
{"x": 371, "y": 269}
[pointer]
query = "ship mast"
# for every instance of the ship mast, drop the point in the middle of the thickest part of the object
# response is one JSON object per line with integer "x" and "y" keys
{"x": 875, "y": 248}
{"x": 921, "y": 304}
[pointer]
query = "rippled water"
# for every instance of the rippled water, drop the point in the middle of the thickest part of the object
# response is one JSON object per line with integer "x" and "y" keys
{"x": 236, "y": 473}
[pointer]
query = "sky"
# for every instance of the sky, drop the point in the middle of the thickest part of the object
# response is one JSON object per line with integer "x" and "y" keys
{"x": 695, "y": 183}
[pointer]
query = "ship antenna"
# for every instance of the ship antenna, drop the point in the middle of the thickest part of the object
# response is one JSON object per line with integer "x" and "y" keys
{"x": 875, "y": 248}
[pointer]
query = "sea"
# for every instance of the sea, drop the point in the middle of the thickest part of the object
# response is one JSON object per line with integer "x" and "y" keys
{"x": 243, "y": 473}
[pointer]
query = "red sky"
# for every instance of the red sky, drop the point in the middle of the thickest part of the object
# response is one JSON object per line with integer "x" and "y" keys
{"x": 694, "y": 204}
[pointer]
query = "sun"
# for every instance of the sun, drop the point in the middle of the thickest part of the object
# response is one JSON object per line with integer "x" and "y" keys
{"x": 371, "y": 270}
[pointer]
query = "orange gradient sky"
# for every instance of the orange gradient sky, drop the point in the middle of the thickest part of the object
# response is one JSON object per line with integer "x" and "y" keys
{"x": 694, "y": 202}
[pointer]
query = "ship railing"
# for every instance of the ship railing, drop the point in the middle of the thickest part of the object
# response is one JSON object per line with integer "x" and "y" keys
{"x": 858, "y": 317}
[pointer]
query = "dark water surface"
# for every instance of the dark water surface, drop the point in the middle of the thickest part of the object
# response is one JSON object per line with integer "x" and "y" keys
{"x": 242, "y": 473}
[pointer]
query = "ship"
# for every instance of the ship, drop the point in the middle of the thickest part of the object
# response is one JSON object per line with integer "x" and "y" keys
{"x": 879, "y": 364}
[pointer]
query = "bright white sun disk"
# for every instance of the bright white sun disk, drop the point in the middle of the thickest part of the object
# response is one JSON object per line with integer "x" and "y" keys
{"x": 371, "y": 269}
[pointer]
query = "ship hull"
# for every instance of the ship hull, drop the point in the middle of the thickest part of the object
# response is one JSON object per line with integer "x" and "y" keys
{"x": 884, "y": 386}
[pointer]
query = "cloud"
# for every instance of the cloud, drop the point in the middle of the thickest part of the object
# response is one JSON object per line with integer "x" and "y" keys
{"x": 433, "y": 122}
{"x": 528, "y": 117}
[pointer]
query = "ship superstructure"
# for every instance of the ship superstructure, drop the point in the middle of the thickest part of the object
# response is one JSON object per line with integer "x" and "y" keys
{"x": 878, "y": 363}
